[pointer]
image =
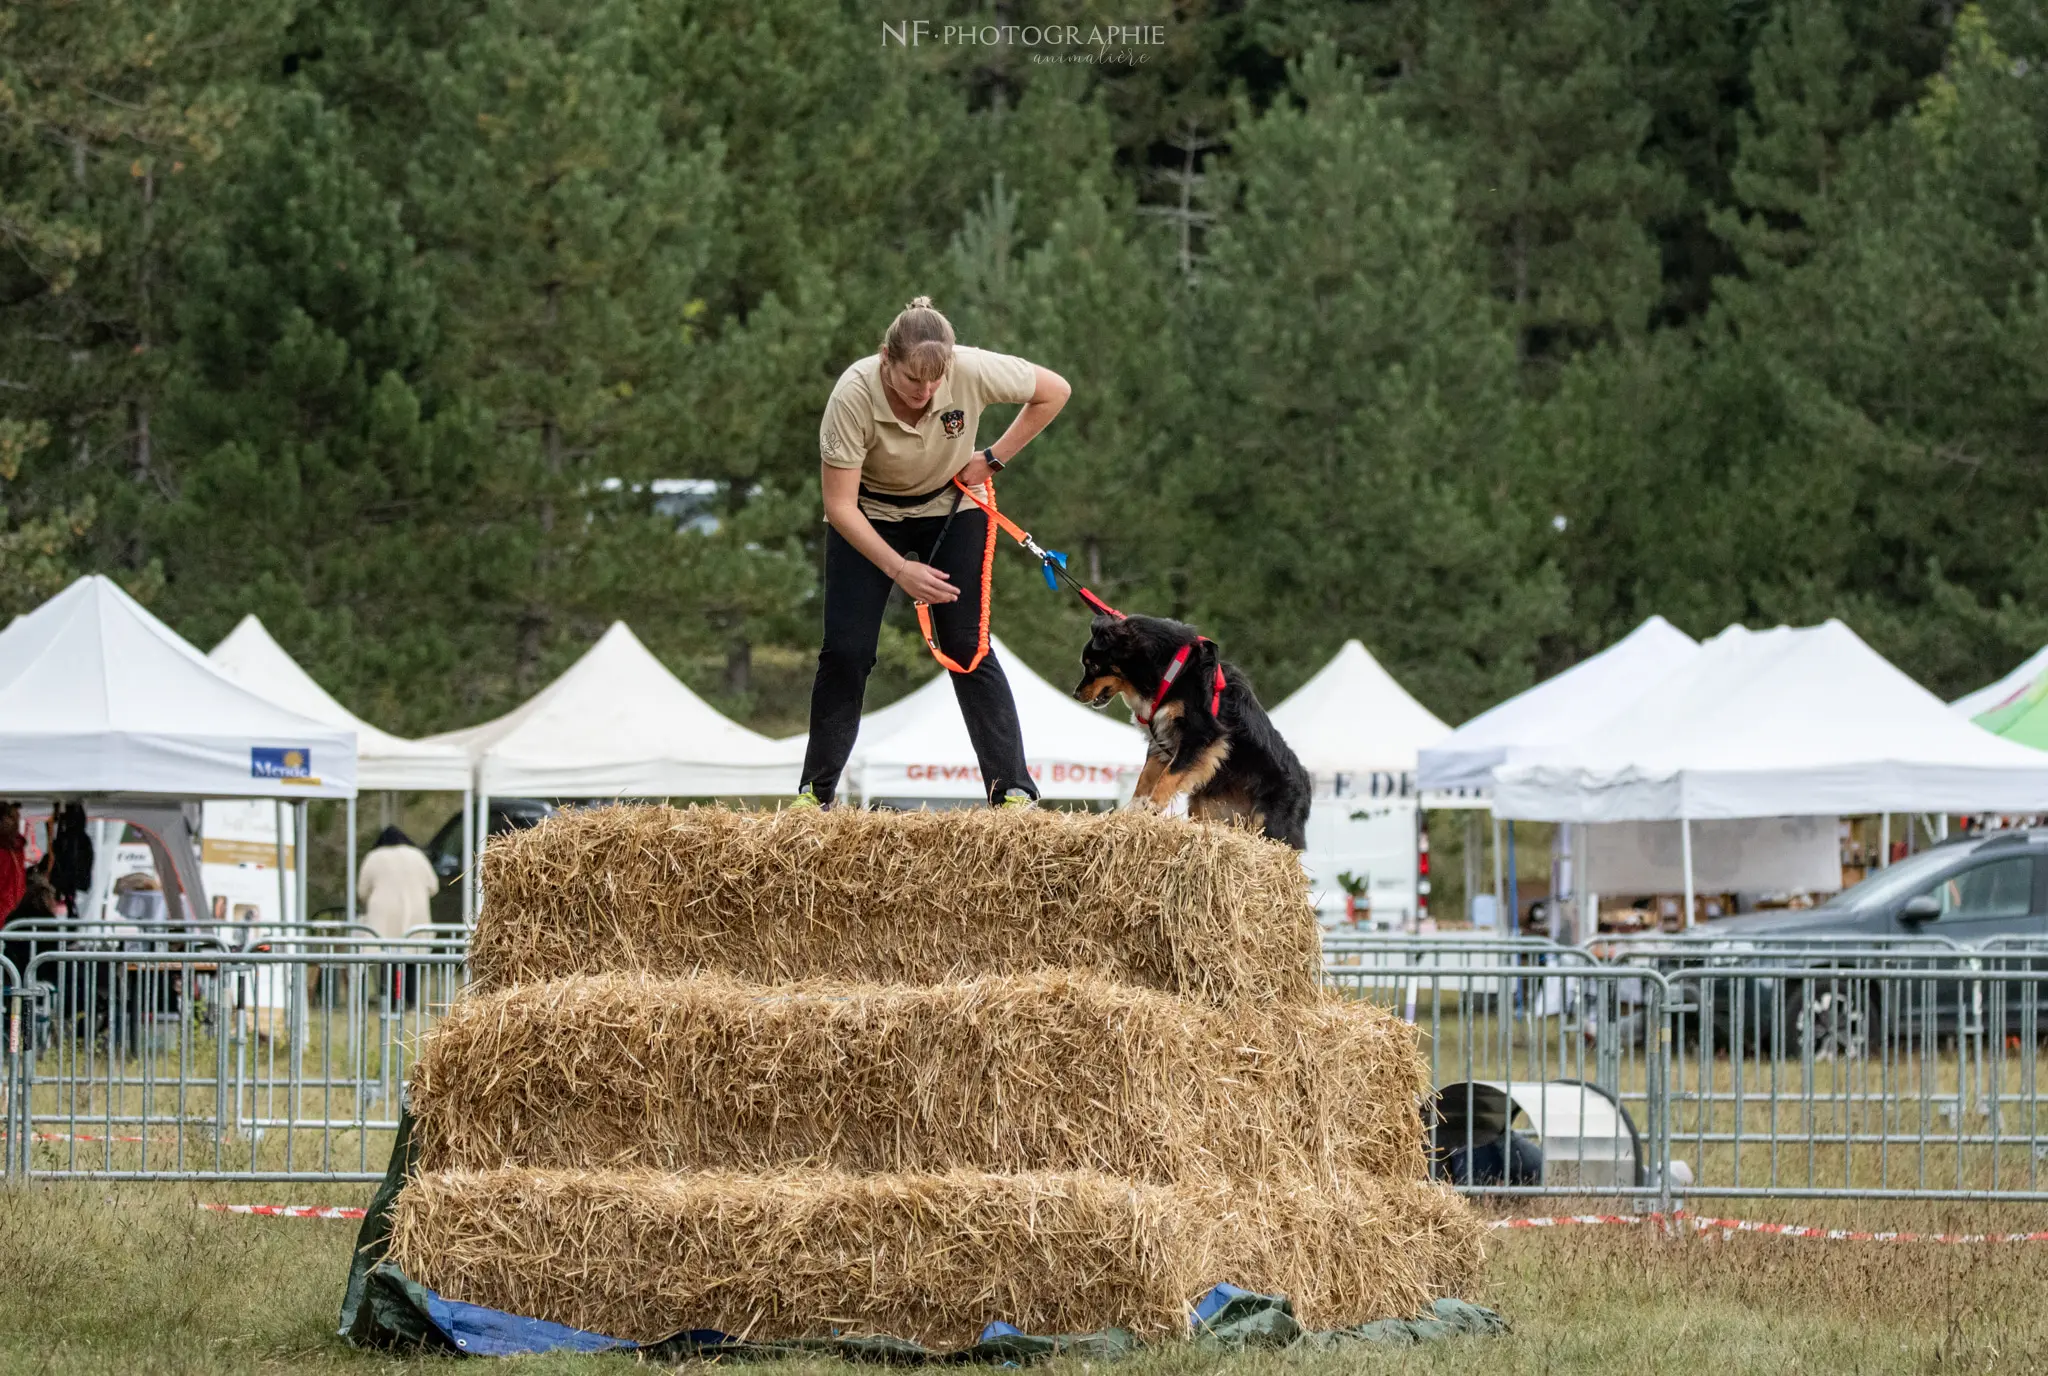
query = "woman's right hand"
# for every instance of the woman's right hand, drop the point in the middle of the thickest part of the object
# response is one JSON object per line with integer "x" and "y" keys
{"x": 923, "y": 583}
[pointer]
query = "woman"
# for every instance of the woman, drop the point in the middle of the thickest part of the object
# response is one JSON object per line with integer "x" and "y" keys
{"x": 900, "y": 427}
{"x": 396, "y": 883}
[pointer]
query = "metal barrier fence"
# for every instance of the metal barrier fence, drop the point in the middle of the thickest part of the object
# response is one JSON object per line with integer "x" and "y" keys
{"x": 1827, "y": 1069}
{"x": 184, "y": 1059}
{"x": 1649, "y": 1069}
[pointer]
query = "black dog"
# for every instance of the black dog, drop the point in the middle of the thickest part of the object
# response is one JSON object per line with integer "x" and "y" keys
{"x": 1206, "y": 734}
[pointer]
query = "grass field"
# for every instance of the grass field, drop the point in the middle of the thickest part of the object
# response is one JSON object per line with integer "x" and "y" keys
{"x": 135, "y": 1278}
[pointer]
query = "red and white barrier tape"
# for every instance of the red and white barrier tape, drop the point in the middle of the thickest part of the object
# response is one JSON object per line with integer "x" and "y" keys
{"x": 284, "y": 1210}
{"x": 88, "y": 1137}
{"x": 1728, "y": 1227}
{"x": 1566, "y": 1220}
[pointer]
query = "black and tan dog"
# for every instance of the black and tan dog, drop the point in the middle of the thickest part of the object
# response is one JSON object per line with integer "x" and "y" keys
{"x": 1206, "y": 734}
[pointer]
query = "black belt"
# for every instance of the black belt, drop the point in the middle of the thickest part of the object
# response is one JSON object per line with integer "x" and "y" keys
{"x": 891, "y": 499}
{"x": 896, "y": 499}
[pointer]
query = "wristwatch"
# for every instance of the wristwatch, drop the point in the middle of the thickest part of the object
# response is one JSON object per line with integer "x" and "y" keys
{"x": 988, "y": 456}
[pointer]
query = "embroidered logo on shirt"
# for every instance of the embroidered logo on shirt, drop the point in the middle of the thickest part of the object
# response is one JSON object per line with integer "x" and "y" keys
{"x": 954, "y": 421}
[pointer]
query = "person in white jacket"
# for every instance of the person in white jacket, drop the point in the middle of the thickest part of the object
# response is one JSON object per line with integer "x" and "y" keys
{"x": 395, "y": 884}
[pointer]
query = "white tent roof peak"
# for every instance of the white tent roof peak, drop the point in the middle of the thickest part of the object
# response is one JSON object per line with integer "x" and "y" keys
{"x": 97, "y": 696}
{"x": 618, "y": 724}
{"x": 253, "y": 658}
{"x": 1352, "y": 717}
{"x": 1791, "y": 721}
{"x": 1558, "y": 708}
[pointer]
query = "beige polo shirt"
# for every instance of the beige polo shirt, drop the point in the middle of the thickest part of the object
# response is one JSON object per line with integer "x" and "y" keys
{"x": 860, "y": 431}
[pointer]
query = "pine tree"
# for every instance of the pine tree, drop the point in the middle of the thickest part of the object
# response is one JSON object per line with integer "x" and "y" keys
{"x": 1909, "y": 330}
{"x": 1541, "y": 102}
{"x": 1353, "y": 463}
{"x": 34, "y": 546}
{"x": 568, "y": 239}
{"x": 111, "y": 118}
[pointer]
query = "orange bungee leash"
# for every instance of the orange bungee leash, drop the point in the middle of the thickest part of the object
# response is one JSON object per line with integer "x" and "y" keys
{"x": 1051, "y": 562}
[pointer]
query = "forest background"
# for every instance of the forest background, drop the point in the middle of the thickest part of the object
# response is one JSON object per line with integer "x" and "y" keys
{"x": 441, "y": 333}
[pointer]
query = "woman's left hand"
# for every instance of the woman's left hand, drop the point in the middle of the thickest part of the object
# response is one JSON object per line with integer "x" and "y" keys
{"x": 977, "y": 472}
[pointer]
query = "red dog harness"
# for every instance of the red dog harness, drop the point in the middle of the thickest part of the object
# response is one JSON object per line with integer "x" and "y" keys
{"x": 1180, "y": 662}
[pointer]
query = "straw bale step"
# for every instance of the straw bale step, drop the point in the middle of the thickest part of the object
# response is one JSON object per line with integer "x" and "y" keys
{"x": 1211, "y": 911}
{"x": 1007, "y": 1073}
{"x": 927, "y": 1257}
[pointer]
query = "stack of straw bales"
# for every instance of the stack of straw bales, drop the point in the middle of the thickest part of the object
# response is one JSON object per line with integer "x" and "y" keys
{"x": 808, "y": 1073}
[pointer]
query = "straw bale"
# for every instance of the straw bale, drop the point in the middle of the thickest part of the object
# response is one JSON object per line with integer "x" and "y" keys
{"x": 1210, "y": 910}
{"x": 1011, "y": 1073}
{"x": 927, "y": 1257}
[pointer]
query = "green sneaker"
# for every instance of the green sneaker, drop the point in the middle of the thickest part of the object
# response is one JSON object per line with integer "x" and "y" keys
{"x": 805, "y": 801}
{"x": 1017, "y": 798}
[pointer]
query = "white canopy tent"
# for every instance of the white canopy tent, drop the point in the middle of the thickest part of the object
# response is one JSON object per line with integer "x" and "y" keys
{"x": 1358, "y": 732}
{"x": 1778, "y": 723}
{"x": 100, "y": 700}
{"x": 918, "y": 747}
{"x": 616, "y": 724}
{"x": 99, "y": 697}
{"x": 1353, "y": 719}
{"x": 1557, "y": 709}
{"x": 252, "y": 658}
{"x": 1993, "y": 694}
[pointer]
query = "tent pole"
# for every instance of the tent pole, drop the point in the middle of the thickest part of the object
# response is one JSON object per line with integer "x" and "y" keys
{"x": 483, "y": 839}
{"x": 299, "y": 1014}
{"x": 1685, "y": 845}
{"x": 1500, "y": 892}
{"x": 1884, "y": 840}
{"x": 277, "y": 809}
{"x": 1471, "y": 861}
{"x": 348, "y": 883}
{"x": 468, "y": 853}
{"x": 1514, "y": 924}
{"x": 1589, "y": 902}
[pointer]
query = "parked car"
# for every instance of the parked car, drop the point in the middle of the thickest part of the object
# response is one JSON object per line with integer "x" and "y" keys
{"x": 445, "y": 850}
{"x": 1967, "y": 891}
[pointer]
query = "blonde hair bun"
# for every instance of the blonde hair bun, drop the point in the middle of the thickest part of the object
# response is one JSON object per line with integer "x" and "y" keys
{"x": 919, "y": 341}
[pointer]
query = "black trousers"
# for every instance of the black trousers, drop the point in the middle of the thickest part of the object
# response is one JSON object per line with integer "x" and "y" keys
{"x": 856, "y": 593}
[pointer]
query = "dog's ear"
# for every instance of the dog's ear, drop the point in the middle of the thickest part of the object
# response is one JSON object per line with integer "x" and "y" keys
{"x": 1112, "y": 632}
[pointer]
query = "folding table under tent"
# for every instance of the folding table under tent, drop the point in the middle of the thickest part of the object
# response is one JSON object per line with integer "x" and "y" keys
{"x": 253, "y": 659}
{"x": 2005, "y": 689}
{"x": 617, "y": 724}
{"x": 102, "y": 703}
{"x": 918, "y": 749}
{"x": 1789, "y": 722}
